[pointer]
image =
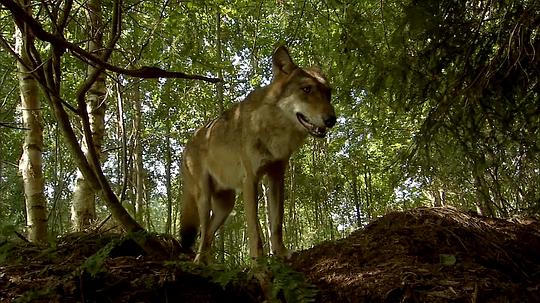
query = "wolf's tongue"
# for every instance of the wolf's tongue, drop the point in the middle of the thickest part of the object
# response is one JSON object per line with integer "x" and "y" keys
{"x": 319, "y": 131}
{"x": 312, "y": 129}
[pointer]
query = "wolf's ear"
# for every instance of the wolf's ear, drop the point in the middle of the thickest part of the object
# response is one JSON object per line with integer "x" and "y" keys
{"x": 282, "y": 62}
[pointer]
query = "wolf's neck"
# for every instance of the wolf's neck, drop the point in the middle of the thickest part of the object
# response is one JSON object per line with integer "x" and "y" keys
{"x": 277, "y": 136}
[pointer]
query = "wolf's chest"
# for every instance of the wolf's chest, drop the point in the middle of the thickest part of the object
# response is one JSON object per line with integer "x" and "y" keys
{"x": 273, "y": 137}
{"x": 277, "y": 146}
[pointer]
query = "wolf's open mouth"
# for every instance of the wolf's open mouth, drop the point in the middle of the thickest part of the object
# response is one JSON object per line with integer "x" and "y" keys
{"x": 316, "y": 131}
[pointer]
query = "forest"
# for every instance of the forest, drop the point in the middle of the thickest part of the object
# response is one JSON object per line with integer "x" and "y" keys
{"x": 437, "y": 107}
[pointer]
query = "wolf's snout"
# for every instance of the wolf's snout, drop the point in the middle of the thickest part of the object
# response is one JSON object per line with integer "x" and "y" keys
{"x": 330, "y": 121}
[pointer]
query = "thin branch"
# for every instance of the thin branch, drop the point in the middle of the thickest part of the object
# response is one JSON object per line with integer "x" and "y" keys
{"x": 32, "y": 70}
{"x": 5, "y": 45}
{"x": 385, "y": 30}
{"x": 10, "y": 125}
{"x": 299, "y": 21}
{"x": 64, "y": 17}
{"x": 22, "y": 16}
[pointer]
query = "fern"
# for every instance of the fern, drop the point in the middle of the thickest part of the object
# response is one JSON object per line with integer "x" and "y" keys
{"x": 7, "y": 251}
{"x": 286, "y": 284}
{"x": 214, "y": 272}
{"x": 291, "y": 284}
{"x": 34, "y": 295}
{"x": 94, "y": 264}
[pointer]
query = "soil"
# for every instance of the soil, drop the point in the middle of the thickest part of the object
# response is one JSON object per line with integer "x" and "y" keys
{"x": 421, "y": 255}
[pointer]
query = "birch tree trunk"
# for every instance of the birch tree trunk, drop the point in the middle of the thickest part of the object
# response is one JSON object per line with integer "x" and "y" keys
{"x": 30, "y": 164}
{"x": 168, "y": 168}
{"x": 138, "y": 156}
{"x": 84, "y": 197}
{"x": 356, "y": 198}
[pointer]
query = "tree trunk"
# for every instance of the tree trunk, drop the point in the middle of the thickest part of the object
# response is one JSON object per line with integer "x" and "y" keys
{"x": 124, "y": 165}
{"x": 30, "y": 164}
{"x": 84, "y": 205}
{"x": 219, "y": 55}
{"x": 368, "y": 193}
{"x": 483, "y": 200}
{"x": 138, "y": 155}
{"x": 295, "y": 230}
{"x": 356, "y": 198}
{"x": 168, "y": 168}
{"x": 1, "y": 160}
{"x": 221, "y": 106}
{"x": 147, "y": 219}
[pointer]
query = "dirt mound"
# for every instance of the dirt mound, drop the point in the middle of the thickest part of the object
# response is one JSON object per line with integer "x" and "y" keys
{"x": 422, "y": 255}
{"x": 112, "y": 268}
{"x": 429, "y": 255}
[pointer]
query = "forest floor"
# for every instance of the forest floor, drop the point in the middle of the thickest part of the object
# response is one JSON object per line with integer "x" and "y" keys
{"x": 421, "y": 255}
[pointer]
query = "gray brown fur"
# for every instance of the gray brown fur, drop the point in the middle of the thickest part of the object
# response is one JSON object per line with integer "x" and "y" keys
{"x": 254, "y": 138}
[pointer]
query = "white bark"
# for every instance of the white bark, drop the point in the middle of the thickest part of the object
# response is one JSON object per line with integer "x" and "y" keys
{"x": 30, "y": 164}
{"x": 138, "y": 157}
{"x": 84, "y": 198}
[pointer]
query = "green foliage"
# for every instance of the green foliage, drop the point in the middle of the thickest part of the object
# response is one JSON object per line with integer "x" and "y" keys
{"x": 34, "y": 295}
{"x": 447, "y": 260}
{"x": 7, "y": 254}
{"x": 290, "y": 283}
{"x": 93, "y": 265}
{"x": 479, "y": 102}
{"x": 216, "y": 273}
{"x": 285, "y": 282}
{"x": 7, "y": 231}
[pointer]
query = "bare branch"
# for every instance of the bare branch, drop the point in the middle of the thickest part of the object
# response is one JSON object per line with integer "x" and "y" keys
{"x": 145, "y": 72}
{"x": 12, "y": 125}
{"x": 64, "y": 17}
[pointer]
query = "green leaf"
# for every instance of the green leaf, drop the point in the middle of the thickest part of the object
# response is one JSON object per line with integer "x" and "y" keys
{"x": 447, "y": 260}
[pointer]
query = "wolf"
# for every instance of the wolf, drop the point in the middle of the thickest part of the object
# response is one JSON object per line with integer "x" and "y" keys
{"x": 252, "y": 139}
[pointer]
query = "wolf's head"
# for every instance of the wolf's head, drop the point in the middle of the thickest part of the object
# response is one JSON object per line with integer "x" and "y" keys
{"x": 304, "y": 94}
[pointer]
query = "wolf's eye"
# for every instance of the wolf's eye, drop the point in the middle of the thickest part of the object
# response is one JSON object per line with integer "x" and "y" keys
{"x": 306, "y": 89}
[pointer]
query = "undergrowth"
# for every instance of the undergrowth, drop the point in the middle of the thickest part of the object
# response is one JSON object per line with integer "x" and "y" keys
{"x": 270, "y": 276}
{"x": 285, "y": 284}
{"x": 291, "y": 284}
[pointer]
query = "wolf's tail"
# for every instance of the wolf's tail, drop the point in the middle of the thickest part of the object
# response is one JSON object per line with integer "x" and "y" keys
{"x": 189, "y": 224}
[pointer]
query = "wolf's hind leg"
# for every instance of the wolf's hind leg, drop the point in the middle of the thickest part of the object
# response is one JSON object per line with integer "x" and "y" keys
{"x": 222, "y": 205}
{"x": 189, "y": 222}
{"x": 204, "y": 207}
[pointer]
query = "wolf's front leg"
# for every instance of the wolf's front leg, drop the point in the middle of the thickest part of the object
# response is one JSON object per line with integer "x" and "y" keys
{"x": 276, "y": 182}
{"x": 251, "y": 208}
